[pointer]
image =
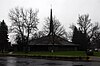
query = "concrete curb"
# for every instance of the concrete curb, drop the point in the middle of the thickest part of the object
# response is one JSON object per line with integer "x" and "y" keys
{"x": 64, "y": 58}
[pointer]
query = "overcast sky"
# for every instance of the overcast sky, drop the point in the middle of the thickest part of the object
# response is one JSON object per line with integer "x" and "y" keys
{"x": 66, "y": 11}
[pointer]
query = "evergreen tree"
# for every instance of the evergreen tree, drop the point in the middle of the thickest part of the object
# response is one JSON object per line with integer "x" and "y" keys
{"x": 3, "y": 36}
{"x": 75, "y": 35}
{"x": 82, "y": 40}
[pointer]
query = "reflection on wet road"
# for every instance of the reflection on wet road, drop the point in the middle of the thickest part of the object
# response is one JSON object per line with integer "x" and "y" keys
{"x": 13, "y": 61}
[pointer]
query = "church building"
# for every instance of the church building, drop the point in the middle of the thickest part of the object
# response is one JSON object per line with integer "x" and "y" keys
{"x": 51, "y": 41}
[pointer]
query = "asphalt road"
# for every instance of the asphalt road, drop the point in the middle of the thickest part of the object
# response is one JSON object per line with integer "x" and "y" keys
{"x": 14, "y": 61}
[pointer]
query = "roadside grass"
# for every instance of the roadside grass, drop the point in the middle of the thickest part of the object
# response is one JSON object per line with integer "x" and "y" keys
{"x": 97, "y": 54}
{"x": 57, "y": 53}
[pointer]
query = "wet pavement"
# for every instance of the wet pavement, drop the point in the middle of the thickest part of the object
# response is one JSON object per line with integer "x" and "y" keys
{"x": 95, "y": 58}
{"x": 13, "y": 61}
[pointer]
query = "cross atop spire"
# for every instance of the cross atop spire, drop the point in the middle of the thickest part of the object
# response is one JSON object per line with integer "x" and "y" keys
{"x": 51, "y": 6}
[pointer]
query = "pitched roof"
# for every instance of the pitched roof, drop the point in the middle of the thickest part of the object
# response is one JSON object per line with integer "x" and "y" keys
{"x": 46, "y": 40}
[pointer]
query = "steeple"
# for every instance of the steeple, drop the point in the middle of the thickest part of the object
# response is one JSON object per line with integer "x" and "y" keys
{"x": 51, "y": 23}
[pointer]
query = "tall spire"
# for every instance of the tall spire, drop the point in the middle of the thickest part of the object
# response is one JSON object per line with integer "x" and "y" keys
{"x": 51, "y": 23}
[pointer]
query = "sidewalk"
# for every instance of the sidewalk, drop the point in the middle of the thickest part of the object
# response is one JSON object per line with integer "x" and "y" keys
{"x": 93, "y": 58}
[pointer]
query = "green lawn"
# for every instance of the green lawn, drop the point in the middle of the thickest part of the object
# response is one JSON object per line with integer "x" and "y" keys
{"x": 97, "y": 54}
{"x": 60, "y": 53}
{"x": 57, "y": 53}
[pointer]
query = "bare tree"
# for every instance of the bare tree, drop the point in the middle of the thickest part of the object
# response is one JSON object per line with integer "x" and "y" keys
{"x": 87, "y": 28}
{"x": 85, "y": 31}
{"x": 58, "y": 28}
{"x": 24, "y": 22}
{"x": 84, "y": 23}
{"x": 96, "y": 40}
{"x": 95, "y": 35}
{"x": 38, "y": 34}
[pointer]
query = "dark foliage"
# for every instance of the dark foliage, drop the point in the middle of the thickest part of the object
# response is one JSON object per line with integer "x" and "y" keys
{"x": 75, "y": 37}
{"x": 80, "y": 38}
{"x": 3, "y": 36}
